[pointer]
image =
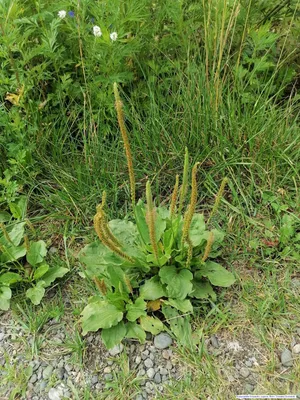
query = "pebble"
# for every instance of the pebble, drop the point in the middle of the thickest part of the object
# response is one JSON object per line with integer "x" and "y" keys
{"x": 33, "y": 378}
{"x": 162, "y": 341}
{"x": 157, "y": 378}
{"x": 1, "y": 336}
{"x": 286, "y": 358}
{"x": 116, "y": 350}
{"x": 138, "y": 359}
{"x": 42, "y": 385}
{"x": 148, "y": 363}
{"x": 55, "y": 394}
{"x": 150, "y": 373}
{"x": 60, "y": 373}
{"x": 214, "y": 341}
{"x": 296, "y": 349}
{"x": 94, "y": 379}
{"x": 141, "y": 372}
{"x": 166, "y": 354}
{"x": 139, "y": 397}
{"x": 248, "y": 363}
{"x": 108, "y": 377}
{"x": 244, "y": 372}
{"x": 47, "y": 372}
{"x": 163, "y": 371}
{"x": 249, "y": 388}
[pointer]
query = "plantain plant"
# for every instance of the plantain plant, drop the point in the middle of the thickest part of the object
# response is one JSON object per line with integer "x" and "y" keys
{"x": 149, "y": 271}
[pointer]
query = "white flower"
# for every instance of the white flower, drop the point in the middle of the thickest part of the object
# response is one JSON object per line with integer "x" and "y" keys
{"x": 113, "y": 36}
{"x": 97, "y": 31}
{"x": 62, "y": 14}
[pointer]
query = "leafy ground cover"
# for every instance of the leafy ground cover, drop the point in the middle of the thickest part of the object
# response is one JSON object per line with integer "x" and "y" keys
{"x": 218, "y": 78}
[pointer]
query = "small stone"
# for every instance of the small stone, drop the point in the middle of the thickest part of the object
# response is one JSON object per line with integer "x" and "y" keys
{"x": 249, "y": 388}
{"x": 166, "y": 354}
{"x": 244, "y": 372}
{"x": 248, "y": 363}
{"x": 138, "y": 359}
{"x": 33, "y": 378}
{"x": 60, "y": 373}
{"x": 1, "y": 336}
{"x": 141, "y": 372}
{"x": 116, "y": 350}
{"x": 94, "y": 379}
{"x": 296, "y": 349}
{"x": 54, "y": 394}
{"x": 162, "y": 341}
{"x": 145, "y": 354}
{"x": 148, "y": 363}
{"x": 132, "y": 348}
{"x": 150, "y": 373}
{"x": 286, "y": 358}
{"x": 108, "y": 377}
{"x": 42, "y": 385}
{"x": 139, "y": 397}
{"x": 53, "y": 250}
{"x": 163, "y": 371}
{"x": 214, "y": 342}
{"x": 157, "y": 378}
{"x": 151, "y": 356}
{"x": 107, "y": 370}
{"x": 47, "y": 372}
{"x": 109, "y": 362}
{"x": 169, "y": 365}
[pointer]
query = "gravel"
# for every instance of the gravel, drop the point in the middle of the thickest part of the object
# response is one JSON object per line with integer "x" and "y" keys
{"x": 296, "y": 349}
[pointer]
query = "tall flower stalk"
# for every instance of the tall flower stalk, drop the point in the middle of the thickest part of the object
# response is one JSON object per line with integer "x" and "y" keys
{"x": 150, "y": 219}
{"x": 121, "y": 121}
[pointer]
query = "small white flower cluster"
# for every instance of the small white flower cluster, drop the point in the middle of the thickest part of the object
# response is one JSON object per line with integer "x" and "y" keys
{"x": 62, "y": 14}
{"x": 97, "y": 32}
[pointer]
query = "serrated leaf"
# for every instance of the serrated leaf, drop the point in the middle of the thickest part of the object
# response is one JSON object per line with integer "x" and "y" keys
{"x": 184, "y": 306}
{"x": 135, "y": 331}
{"x": 54, "y": 273}
{"x": 152, "y": 325}
{"x": 136, "y": 310}
{"x": 217, "y": 275}
{"x": 152, "y": 289}
{"x": 202, "y": 289}
{"x": 36, "y": 253}
{"x": 9, "y": 278}
{"x": 5, "y": 296}
{"x": 114, "y": 335}
{"x": 178, "y": 281}
{"x": 36, "y": 293}
{"x": 99, "y": 315}
{"x": 40, "y": 271}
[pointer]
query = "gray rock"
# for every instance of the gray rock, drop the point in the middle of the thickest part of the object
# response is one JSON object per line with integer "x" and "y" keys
{"x": 138, "y": 359}
{"x": 166, "y": 354}
{"x": 107, "y": 370}
{"x": 249, "y": 388}
{"x": 150, "y": 373}
{"x": 139, "y": 397}
{"x": 1, "y": 336}
{"x": 47, "y": 372}
{"x": 55, "y": 394}
{"x": 163, "y": 371}
{"x": 42, "y": 385}
{"x": 248, "y": 363}
{"x": 169, "y": 365}
{"x": 296, "y": 349}
{"x": 116, "y": 350}
{"x": 60, "y": 373}
{"x": 141, "y": 372}
{"x": 244, "y": 372}
{"x": 162, "y": 341}
{"x": 145, "y": 354}
{"x": 53, "y": 250}
{"x": 148, "y": 363}
{"x": 157, "y": 378}
{"x": 286, "y": 358}
{"x": 33, "y": 378}
{"x": 108, "y": 377}
{"x": 214, "y": 342}
{"x": 94, "y": 379}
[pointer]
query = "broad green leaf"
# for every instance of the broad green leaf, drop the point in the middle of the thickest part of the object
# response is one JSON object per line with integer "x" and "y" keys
{"x": 9, "y": 278}
{"x": 163, "y": 212}
{"x": 54, "y": 273}
{"x": 12, "y": 253}
{"x": 118, "y": 277}
{"x": 184, "y": 306}
{"x": 161, "y": 260}
{"x": 152, "y": 325}
{"x": 114, "y": 335}
{"x": 152, "y": 289}
{"x": 168, "y": 241}
{"x": 5, "y": 296}
{"x": 178, "y": 281}
{"x": 16, "y": 234}
{"x": 18, "y": 209}
{"x": 135, "y": 331}
{"x": 180, "y": 326}
{"x": 92, "y": 256}
{"x": 217, "y": 275}
{"x": 40, "y": 271}
{"x": 99, "y": 315}
{"x": 4, "y": 216}
{"x": 197, "y": 229}
{"x": 36, "y": 253}
{"x": 36, "y": 293}
{"x": 136, "y": 310}
{"x": 202, "y": 289}
{"x": 160, "y": 223}
{"x": 127, "y": 234}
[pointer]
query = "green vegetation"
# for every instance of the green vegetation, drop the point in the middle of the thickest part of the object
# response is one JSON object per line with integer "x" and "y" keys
{"x": 219, "y": 78}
